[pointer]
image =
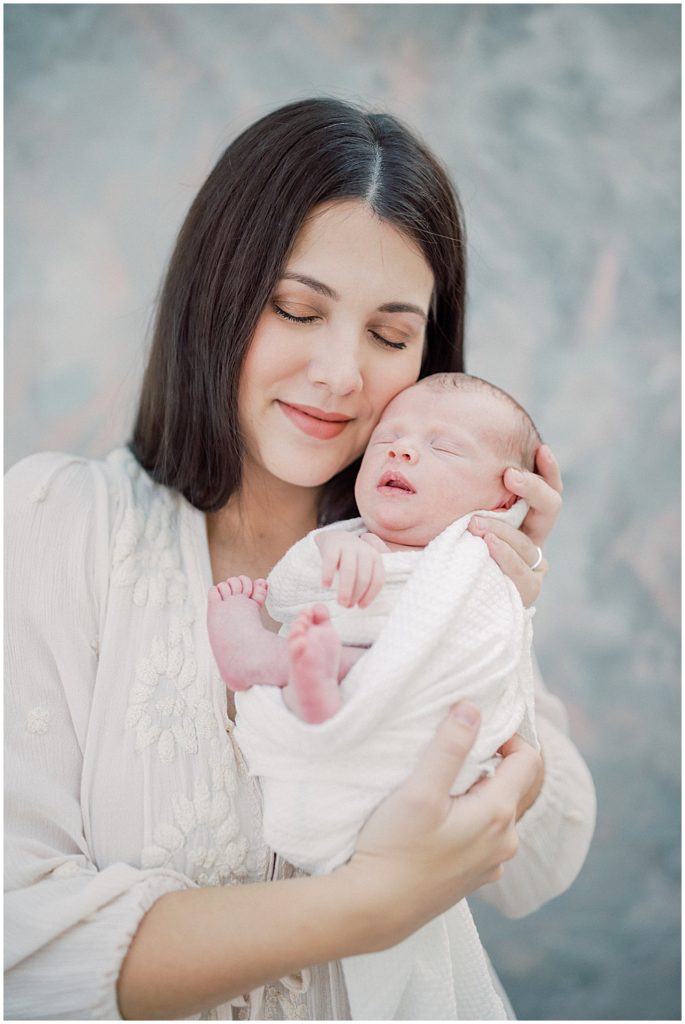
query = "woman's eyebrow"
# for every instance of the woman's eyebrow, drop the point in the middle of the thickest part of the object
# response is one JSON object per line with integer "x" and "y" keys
{"x": 329, "y": 293}
{"x": 310, "y": 282}
{"x": 403, "y": 307}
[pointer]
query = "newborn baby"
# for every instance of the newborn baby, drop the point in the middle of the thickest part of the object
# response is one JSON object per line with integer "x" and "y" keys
{"x": 436, "y": 621}
{"x": 438, "y": 453}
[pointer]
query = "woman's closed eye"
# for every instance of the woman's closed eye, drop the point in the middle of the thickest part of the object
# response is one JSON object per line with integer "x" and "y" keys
{"x": 312, "y": 318}
{"x": 386, "y": 341}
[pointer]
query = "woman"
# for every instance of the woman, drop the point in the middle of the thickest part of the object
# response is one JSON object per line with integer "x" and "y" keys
{"x": 319, "y": 271}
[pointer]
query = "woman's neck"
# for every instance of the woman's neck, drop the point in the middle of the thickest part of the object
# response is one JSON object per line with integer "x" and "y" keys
{"x": 258, "y": 525}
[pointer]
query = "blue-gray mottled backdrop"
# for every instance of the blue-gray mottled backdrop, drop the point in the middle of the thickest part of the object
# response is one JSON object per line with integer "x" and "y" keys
{"x": 561, "y": 127}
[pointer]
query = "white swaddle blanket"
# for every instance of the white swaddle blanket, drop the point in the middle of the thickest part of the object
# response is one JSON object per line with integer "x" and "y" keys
{"x": 457, "y": 630}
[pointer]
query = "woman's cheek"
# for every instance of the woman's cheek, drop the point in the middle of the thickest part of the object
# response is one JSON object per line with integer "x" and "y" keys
{"x": 403, "y": 377}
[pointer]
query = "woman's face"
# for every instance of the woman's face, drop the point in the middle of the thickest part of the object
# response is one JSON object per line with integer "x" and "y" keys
{"x": 342, "y": 334}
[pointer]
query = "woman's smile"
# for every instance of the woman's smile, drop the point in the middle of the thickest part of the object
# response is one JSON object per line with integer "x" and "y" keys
{"x": 315, "y": 422}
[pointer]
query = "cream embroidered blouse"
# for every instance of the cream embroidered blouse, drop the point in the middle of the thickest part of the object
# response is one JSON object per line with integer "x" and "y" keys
{"x": 122, "y": 778}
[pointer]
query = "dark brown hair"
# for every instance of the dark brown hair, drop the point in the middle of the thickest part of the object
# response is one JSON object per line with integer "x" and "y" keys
{"x": 230, "y": 253}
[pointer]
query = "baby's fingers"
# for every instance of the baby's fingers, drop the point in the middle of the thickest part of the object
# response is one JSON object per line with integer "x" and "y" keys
{"x": 347, "y": 576}
{"x": 365, "y": 563}
{"x": 330, "y": 557}
{"x": 375, "y": 585}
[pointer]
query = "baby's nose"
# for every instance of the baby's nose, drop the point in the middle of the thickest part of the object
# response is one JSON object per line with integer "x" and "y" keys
{"x": 403, "y": 451}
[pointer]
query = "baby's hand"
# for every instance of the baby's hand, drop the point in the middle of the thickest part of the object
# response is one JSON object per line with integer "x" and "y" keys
{"x": 359, "y": 565}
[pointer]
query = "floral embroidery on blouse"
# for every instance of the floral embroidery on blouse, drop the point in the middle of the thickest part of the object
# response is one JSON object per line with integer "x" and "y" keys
{"x": 283, "y": 1005}
{"x": 37, "y": 721}
{"x": 146, "y": 554}
{"x": 206, "y": 828}
{"x": 166, "y": 706}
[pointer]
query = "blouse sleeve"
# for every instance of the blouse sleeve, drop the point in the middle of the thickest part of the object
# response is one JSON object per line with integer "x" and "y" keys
{"x": 555, "y": 832}
{"x": 68, "y": 923}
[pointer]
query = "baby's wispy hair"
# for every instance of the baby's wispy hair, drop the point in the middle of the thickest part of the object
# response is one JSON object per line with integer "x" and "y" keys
{"x": 524, "y": 440}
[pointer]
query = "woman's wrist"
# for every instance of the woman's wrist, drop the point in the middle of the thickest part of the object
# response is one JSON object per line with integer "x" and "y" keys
{"x": 375, "y": 917}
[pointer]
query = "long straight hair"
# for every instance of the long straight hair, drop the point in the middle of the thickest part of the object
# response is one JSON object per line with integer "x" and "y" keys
{"x": 230, "y": 253}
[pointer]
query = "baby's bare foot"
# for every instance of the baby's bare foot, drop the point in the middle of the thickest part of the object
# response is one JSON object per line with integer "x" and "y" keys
{"x": 246, "y": 652}
{"x": 314, "y": 650}
{"x": 240, "y": 586}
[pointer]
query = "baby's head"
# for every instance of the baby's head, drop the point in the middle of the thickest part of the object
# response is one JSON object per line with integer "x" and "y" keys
{"x": 438, "y": 452}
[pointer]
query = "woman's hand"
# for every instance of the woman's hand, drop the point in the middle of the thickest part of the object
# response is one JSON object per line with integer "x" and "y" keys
{"x": 512, "y": 746}
{"x": 422, "y": 850}
{"x": 515, "y": 551}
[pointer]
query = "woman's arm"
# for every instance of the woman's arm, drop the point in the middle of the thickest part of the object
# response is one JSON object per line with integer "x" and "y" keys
{"x": 556, "y": 829}
{"x": 68, "y": 923}
{"x": 419, "y": 853}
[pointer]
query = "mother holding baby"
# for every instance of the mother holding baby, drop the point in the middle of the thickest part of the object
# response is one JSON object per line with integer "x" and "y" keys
{"x": 319, "y": 272}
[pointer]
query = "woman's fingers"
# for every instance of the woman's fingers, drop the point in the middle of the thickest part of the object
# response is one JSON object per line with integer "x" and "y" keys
{"x": 527, "y": 581}
{"x": 423, "y": 849}
{"x": 548, "y": 468}
{"x": 517, "y": 744}
{"x": 517, "y": 551}
{"x": 514, "y": 553}
{"x": 434, "y": 775}
{"x": 517, "y": 773}
{"x": 515, "y": 540}
{"x": 541, "y": 490}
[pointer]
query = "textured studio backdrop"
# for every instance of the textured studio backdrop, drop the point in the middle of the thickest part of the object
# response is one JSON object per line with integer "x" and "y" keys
{"x": 560, "y": 125}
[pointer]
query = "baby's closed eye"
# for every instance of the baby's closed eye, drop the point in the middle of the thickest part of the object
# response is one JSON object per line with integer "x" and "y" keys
{"x": 448, "y": 447}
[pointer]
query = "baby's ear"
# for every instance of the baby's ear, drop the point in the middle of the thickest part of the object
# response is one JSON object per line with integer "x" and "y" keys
{"x": 505, "y": 504}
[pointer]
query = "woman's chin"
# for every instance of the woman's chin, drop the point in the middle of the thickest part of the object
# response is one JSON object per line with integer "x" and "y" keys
{"x": 309, "y": 477}
{"x": 309, "y": 472}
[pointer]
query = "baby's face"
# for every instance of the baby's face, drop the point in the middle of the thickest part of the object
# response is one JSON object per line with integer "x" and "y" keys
{"x": 434, "y": 456}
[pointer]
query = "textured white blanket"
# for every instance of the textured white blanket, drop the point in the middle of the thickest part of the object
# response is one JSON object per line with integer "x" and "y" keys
{"x": 457, "y": 630}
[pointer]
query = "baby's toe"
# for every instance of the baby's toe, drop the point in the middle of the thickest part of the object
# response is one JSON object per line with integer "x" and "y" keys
{"x": 245, "y": 584}
{"x": 297, "y": 643}
{"x": 319, "y": 613}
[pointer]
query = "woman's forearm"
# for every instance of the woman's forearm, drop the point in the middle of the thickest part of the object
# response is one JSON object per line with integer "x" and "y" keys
{"x": 199, "y": 948}
{"x": 419, "y": 853}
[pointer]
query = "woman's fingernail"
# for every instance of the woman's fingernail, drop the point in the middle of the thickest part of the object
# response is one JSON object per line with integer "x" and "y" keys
{"x": 516, "y": 477}
{"x": 478, "y": 522}
{"x": 467, "y": 714}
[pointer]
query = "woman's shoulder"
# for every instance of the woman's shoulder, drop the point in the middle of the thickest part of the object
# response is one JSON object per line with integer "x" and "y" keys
{"x": 78, "y": 485}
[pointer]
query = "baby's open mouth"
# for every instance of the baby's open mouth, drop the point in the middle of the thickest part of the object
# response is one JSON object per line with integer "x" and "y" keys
{"x": 394, "y": 481}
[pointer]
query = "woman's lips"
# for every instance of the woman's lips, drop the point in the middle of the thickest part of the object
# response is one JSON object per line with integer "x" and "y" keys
{"x": 315, "y": 422}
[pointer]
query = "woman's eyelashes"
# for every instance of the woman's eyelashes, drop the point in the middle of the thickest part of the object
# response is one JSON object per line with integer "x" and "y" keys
{"x": 294, "y": 319}
{"x": 386, "y": 341}
{"x": 314, "y": 317}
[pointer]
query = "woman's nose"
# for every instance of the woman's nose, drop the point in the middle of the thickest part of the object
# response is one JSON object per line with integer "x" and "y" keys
{"x": 403, "y": 451}
{"x": 337, "y": 367}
